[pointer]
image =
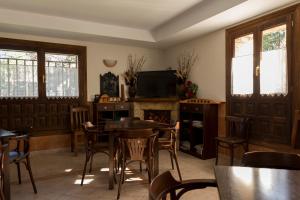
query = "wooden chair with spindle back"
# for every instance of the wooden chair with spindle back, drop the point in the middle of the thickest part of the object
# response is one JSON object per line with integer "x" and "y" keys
{"x": 78, "y": 116}
{"x": 238, "y": 136}
{"x": 168, "y": 142}
{"x": 136, "y": 146}
{"x": 275, "y": 160}
{"x": 165, "y": 186}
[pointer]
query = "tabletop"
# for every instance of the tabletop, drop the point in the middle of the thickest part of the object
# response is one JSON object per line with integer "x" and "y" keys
{"x": 247, "y": 183}
{"x": 132, "y": 124}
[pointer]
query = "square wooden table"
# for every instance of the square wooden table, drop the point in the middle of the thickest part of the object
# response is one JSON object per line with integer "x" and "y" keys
{"x": 247, "y": 183}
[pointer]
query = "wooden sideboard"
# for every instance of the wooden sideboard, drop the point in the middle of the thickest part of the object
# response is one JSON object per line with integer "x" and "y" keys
{"x": 199, "y": 127}
{"x": 111, "y": 111}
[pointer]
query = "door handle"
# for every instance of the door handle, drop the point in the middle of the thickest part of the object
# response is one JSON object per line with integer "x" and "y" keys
{"x": 257, "y": 70}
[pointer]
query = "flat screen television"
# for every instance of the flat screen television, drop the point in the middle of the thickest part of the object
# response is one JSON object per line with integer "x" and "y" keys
{"x": 159, "y": 84}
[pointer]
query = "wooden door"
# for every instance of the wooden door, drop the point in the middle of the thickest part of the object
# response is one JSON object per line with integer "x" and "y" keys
{"x": 258, "y": 76}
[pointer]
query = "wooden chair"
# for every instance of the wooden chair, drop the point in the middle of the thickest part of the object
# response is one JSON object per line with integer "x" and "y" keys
{"x": 276, "y": 160}
{"x": 21, "y": 154}
{"x": 93, "y": 145}
{"x": 137, "y": 146}
{"x": 238, "y": 135}
{"x": 164, "y": 185}
{"x": 2, "y": 172}
{"x": 78, "y": 116}
{"x": 168, "y": 142}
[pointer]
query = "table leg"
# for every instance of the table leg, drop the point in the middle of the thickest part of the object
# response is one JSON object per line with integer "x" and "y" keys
{"x": 156, "y": 159}
{"x": 111, "y": 162}
{"x": 6, "y": 180}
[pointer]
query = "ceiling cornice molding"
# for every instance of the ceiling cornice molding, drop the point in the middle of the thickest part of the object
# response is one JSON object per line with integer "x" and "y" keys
{"x": 193, "y": 16}
{"x": 53, "y": 23}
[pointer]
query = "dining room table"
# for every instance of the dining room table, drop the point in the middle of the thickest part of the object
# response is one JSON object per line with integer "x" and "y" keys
{"x": 249, "y": 183}
{"x": 114, "y": 128}
{"x": 4, "y": 139}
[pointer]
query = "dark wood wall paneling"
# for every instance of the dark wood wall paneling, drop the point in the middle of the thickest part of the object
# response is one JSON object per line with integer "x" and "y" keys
{"x": 46, "y": 115}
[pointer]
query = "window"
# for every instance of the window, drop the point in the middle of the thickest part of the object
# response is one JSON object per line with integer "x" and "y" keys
{"x": 242, "y": 66}
{"x": 22, "y": 75}
{"x": 273, "y": 62}
{"x": 61, "y": 75}
{"x": 18, "y": 73}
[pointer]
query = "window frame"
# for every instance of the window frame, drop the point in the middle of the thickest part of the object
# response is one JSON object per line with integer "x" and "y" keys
{"x": 256, "y": 27}
{"x": 42, "y": 48}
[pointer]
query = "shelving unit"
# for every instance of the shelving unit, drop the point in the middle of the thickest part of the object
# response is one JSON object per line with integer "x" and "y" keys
{"x": 199, "y": 127}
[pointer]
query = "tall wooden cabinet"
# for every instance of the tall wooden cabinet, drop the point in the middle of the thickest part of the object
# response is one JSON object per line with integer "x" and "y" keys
{"x": 199, "y": 127}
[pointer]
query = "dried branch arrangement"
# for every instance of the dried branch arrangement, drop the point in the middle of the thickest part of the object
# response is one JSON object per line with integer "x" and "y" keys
{"x": 185, "y": 62}
{"x": 134, "y": 65}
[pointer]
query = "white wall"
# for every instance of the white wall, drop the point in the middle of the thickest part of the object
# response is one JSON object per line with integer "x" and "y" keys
{"x": 96, "y": 52}
{"x": 209, "y": 71}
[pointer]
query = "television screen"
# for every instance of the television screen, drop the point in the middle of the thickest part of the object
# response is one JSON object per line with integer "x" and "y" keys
{"x": 156, "y": 84}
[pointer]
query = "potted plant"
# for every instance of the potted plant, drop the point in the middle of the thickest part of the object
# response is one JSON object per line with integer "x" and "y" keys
{"x": 134, "y": 65}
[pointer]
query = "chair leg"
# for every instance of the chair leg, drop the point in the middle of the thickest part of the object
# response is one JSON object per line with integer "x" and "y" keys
{"x": 149, "y": 171}
{"x": 72, "y": 142}
{"x": 217, "y": 152}
{"x": 141, "y": 167}
{"x": 171, "y": 157}
{"x": 231, "y": 154}
{"x": 177, "y": 165}
{"x": 75, "y": 145}
{"x": 87, "y": 158}
{"x": 19, "y": 172}
{"x": 28, "y": 166}
{"x": 91, "y": 163}
{"x": 121, "y": 180}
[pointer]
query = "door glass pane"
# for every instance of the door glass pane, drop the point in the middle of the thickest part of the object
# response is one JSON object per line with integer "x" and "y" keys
{"x": 273, "y": 63}
{"x": 61, "y": 75}
{"x": 242, "y": 66}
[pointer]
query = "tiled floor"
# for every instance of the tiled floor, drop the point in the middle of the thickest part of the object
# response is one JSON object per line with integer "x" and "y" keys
{"x": 58, "y": 173}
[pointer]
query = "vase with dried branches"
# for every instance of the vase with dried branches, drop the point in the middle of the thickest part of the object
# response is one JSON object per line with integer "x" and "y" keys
{"x": 134, "y": 65}
{"x": 185, "y": 62}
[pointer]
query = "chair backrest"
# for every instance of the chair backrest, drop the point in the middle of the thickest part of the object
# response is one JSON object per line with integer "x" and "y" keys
{"x": 238, "y": 126}
{"x": 78, "y": 116}
{"x": 170, "y": 132}
{"x": 276, "y": 160}
{"x": 22, "y": 139}
{"x": 135, "y": 143}
{"x": 164, "y": 185}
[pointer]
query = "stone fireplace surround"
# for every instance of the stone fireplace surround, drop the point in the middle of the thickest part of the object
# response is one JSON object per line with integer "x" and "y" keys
{"x": 142, "y": 104}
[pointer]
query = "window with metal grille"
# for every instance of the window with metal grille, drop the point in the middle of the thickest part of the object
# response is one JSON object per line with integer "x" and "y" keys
{"x": 61, "y": 75}
{"x": 18, "y": 74}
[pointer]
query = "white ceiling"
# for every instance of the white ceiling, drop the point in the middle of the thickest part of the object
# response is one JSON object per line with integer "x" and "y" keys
{"x": 159, "y": 23}
{"x": 144, "y": 14}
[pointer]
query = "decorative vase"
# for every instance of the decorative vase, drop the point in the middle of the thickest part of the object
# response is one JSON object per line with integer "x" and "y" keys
{"x": 180, "y": 91}
{"x": 131, "y": 91}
